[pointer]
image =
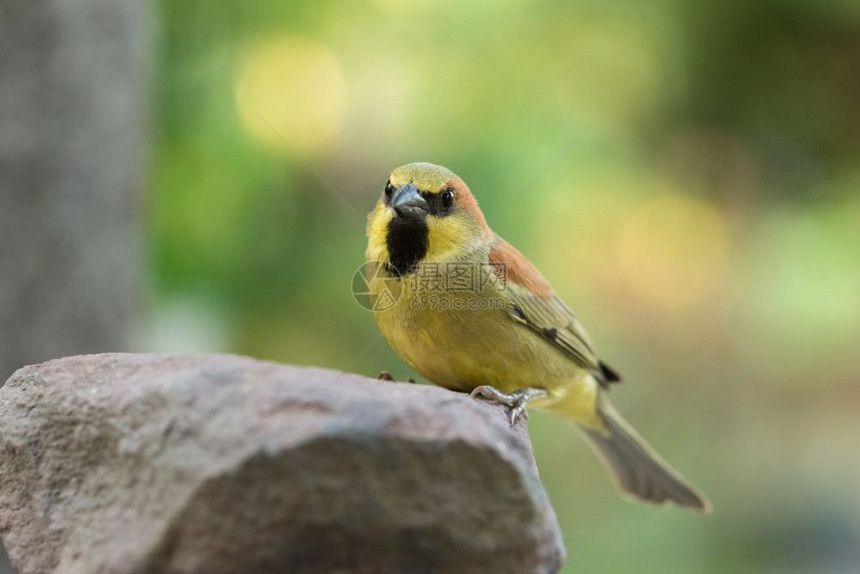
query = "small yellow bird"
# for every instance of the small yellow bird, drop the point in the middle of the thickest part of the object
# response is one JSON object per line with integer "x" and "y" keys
{"x": 470, "y": 313}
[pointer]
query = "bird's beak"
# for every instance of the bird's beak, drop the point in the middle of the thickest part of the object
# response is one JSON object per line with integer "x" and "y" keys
{"x": 408, "y": 203}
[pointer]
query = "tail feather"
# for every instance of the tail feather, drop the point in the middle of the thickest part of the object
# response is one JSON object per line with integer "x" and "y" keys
{"x": 638, "y": 470}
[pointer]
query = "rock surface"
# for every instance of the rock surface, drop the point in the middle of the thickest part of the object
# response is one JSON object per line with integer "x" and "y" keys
{"x": 213, "y": 463}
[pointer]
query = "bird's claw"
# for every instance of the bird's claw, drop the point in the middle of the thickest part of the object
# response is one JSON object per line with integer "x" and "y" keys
{"x": 516, "y": 401}
{"x": 386, "y": 376}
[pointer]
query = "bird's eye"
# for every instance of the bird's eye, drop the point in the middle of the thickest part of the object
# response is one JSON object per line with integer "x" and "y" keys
{"x": 448, "y": 198}
{"x": 389, "y": 190}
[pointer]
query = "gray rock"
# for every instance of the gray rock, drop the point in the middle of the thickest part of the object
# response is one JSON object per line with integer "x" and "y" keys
{"x": 213, "y": 463}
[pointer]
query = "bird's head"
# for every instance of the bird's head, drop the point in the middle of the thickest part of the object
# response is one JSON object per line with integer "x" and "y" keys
{"x": 425, "y": 212}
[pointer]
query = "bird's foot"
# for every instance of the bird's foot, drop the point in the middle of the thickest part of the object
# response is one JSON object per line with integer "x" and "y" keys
{"x": 386, "y": 376}
{"x": 516, "y": 401}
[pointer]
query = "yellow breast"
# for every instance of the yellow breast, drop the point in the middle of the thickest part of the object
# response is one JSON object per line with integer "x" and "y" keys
{"x": 451, "y": 323}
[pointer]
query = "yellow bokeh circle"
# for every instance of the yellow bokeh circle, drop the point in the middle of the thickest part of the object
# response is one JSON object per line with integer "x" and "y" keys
{"x": 673, "y": 250}
{"x": 292, "y": 90}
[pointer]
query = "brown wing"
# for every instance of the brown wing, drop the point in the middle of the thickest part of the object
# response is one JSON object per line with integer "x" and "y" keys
{"x": 536, "y": 306}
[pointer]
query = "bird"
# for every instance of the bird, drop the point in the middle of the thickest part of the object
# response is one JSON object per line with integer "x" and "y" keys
{"x": 469, "y": 312}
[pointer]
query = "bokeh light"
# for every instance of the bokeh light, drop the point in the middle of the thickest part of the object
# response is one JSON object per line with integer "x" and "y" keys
{"x": 673, "y": 250}
{"x": 291, "y": 88}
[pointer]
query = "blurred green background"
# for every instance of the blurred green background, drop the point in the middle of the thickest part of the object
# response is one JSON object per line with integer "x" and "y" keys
{"x": 704, "y": 222}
